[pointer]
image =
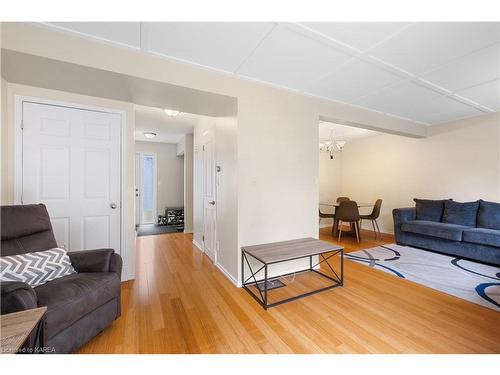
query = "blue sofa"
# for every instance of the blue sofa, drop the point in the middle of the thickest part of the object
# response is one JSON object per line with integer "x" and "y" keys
{"x": 468, "y": 230}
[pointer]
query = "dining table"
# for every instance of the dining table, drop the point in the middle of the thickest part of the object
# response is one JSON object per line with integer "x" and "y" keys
{"x": 335, "y": 227}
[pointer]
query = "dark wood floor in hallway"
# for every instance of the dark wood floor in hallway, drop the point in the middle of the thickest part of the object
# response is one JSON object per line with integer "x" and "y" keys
{"x": 181, "y": 303}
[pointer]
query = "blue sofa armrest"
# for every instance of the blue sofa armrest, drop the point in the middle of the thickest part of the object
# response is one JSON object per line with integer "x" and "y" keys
{"x": 400, "y": 216}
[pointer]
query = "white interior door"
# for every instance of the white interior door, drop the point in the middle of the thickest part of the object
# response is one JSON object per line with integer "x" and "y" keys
{"x": 209, "y": 199}
{"x": 71, "y": 162}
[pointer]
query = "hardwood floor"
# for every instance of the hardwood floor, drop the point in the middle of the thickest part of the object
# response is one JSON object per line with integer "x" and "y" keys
{"x": 181, "y": 303}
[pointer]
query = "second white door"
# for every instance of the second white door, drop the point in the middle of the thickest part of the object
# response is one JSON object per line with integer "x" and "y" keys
{"x": 209, "y": 199}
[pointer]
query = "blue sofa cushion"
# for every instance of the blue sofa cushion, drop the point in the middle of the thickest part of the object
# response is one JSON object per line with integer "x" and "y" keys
{"x": 482, "y": 236}
{"x": 451, "y": 232}
{"x": 429, "y": 210}
{"x": 460, "y": 213}
{"x": 488, "y": 215}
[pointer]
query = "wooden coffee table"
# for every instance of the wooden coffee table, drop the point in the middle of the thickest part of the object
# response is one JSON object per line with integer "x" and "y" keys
{"x": 278, "y": 252}
{"x": 16, "y": 327}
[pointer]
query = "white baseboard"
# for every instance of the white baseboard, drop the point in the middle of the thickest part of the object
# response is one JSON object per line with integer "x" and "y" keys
{"x": 198, "y": 246}
{"x": 228, "y": 275}
{"x": 186, "y": 231}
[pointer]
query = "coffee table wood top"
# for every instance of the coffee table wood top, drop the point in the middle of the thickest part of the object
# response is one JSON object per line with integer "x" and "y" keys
{"x": 289, "y": 250}
{"x": 16, "y": 327}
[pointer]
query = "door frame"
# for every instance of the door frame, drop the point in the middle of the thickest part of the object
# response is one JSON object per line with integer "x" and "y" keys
{"x": 19, "y": 100}
{"x": 141, "y": 154}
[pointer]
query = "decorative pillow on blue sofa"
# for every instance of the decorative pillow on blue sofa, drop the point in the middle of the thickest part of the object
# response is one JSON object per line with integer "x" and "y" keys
{"x": 460, "y": 213}
{"x": 430, "y": 210}
{"x": 488, "y": 215}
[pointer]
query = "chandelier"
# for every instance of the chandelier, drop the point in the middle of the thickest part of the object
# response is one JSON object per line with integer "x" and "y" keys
{"x": 331, "y": 145}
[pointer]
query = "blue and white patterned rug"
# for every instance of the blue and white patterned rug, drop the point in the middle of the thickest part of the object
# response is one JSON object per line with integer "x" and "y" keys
{"x": 474, "y": 282}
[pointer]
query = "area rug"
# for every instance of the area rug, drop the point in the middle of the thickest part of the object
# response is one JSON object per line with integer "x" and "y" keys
{"x": 472, "y": 281}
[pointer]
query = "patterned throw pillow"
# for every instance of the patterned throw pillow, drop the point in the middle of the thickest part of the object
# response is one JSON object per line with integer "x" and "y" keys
{"x": 36, "y": 268}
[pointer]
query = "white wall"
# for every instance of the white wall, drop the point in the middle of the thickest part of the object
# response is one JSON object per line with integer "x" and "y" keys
{"x": 170, "y": 177}
{"x": 330, "y": 183}
{"x": 188, "y": 182}
{"x": 458, "y": 160}
{"x": 226, "y": 132}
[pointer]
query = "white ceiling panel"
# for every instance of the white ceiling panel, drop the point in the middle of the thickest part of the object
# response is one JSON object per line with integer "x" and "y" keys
{"x": 360, "y": 35}
{"x": 476, "y": 68}
{"x": 126, "y": 33}
{"x": 292, "y": 60}
{"x": 404, "y": 99}
{"x": 400, "y": 69}
{"x": 352, "y": 81}
{"x": 443, "y": 109}
{"x": 425, "y": 46}
{"x": 220, "y": 45}
{"x": 487, "y": 94}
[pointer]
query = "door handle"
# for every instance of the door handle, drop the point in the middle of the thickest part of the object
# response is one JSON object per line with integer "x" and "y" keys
{"x": 212, "y": 203}
{"x": 113, "y": 206}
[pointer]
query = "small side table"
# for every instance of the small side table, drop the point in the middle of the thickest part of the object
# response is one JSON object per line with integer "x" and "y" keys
{"x": 17, "y": 327}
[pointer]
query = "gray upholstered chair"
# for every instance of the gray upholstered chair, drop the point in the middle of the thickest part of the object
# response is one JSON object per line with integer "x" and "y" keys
{"x": 80, "y": 305}
{"x": 323, "y": 215}
{"x": 348, "y": 212}
{"x": 373, "y": 217}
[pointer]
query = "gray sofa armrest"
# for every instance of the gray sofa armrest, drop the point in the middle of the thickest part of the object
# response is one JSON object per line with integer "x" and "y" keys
{"x": 98, "y": 260}
{"x": 17, "y": 296}
{"x": 402, "y": 215}
{"x": 115, "y": 264}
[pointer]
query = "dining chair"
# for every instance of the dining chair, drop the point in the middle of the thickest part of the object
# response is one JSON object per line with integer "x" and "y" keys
{"x": 323, "y": 215}
{"x": 373, "y": 217}
{"x": 342, "y": 199}
{"x": 348, "y": 212}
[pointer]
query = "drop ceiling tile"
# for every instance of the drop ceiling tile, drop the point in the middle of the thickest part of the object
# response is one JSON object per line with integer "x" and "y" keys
{"x": 439, "y": 118}
{"x": 426, "y": 46}
{"x": 292, "y": 60}
{"x": 355, "y": 79}
{"x": 219, "y": 45}
{"x": 487, "y": 94}
{"x": 473, "y": 69}
{"x": 127, "y": 33}
{"x": 360, "y": 35}
{"x": 402, "y": 99}
{"x": 444, "y": 109}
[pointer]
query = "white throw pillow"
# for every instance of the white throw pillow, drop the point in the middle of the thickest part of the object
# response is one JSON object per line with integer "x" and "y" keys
{"x": 36, "y": 268}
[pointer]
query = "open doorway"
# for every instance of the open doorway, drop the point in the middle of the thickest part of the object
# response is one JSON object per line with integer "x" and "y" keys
{"x": 163, "y": 170}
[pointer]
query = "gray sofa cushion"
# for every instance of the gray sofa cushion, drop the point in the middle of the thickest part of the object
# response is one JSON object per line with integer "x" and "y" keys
{"x": 482, "y": 236}
{"x": 488, "y": 215}
{"x": 430, "y": 228}
{"x": 460, "y": 213}
{"x": 430, "y": 210}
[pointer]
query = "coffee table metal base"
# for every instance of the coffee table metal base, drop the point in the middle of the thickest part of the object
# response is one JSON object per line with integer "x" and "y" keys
{"x": 262, "y": 296}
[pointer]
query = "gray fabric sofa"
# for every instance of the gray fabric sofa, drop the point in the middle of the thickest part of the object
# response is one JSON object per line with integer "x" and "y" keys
{"x": 466, "y": 230}
{"x": 80, "y": 305}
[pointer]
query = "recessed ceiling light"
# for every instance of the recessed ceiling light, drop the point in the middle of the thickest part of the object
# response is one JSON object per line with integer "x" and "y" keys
{"x": 149, "y": 134}
{"x": 171, "y": 112}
